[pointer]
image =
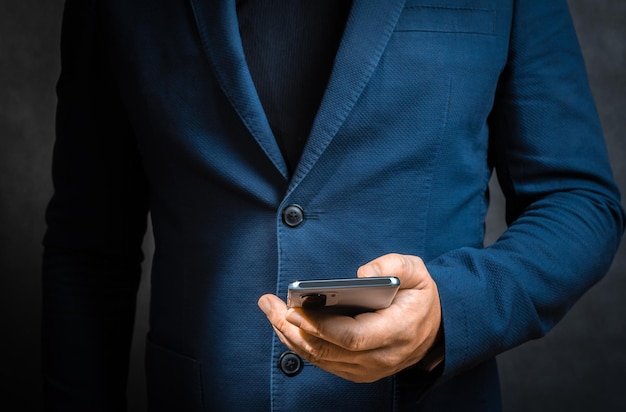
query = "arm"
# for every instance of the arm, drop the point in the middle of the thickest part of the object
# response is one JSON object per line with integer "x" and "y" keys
{"x": 96, "y": 221}
{"x": 561, "y": 202}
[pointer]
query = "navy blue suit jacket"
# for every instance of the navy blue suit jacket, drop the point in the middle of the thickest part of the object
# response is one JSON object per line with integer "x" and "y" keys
{"x": 157, "y": 112}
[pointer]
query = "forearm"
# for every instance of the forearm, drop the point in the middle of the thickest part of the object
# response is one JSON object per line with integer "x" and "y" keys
{"x": 496, "y": 298}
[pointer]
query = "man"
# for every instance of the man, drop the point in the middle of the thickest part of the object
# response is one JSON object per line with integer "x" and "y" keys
{"x": 257, "y": 174}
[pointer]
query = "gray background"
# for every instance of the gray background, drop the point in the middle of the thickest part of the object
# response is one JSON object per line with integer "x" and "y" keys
{"x": 579, "y": 366}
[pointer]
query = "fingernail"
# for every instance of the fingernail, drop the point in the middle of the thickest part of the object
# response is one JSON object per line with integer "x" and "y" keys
{"x": 265, "y": 305}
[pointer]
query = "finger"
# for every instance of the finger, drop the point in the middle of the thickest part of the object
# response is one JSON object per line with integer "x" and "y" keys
{"x": 275, "y": 310}
{"x": 273, "y": 307}
{"x": 356, "y": 366}
{"x": 318, "y": 351}
{"x": 308, "y": 345}
{"x": 351, "y": 370}
{"x": 364, "y": 332}
{"x": 367, "y": 366}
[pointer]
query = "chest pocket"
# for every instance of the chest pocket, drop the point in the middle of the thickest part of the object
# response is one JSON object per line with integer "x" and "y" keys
{"x": 447, "y": 19}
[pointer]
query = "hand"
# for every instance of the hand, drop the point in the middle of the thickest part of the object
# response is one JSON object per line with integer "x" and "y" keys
{"x": 372, "y": 345}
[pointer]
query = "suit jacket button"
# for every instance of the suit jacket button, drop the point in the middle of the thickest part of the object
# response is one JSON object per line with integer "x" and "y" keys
{"x": 293, "y": 215}
{"x": 290, "y": 364}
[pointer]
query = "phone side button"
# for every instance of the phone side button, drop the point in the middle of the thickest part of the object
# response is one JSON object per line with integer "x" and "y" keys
{"x": 290, "y": 363}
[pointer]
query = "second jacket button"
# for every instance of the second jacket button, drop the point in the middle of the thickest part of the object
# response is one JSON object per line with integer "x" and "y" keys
{"x": 290, "y": 363}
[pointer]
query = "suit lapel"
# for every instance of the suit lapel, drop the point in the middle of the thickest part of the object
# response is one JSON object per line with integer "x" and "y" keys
{"x": 365, "y": 37}
{"x": 367, "y": 32}
{"x": 219, "y": 31}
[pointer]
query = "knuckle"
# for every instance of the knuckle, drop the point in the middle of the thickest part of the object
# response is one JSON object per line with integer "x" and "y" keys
{"x": 396, "y": 258}
{"x": 317, "y": 353}
{"x": 401, "y": 262}
{"x": 281, "y": 325}
{"x": 407, "y": 262}
{"x": 417, "y": 260}
{"x": 354, "y": 341}
{"x": 388, "y": 361}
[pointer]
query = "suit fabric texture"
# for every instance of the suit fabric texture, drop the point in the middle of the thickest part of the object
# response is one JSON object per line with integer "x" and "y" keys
{"x": 158, "y": 113}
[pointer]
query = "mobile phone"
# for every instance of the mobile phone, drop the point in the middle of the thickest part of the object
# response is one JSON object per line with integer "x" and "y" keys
{"x": 347, "y": 296}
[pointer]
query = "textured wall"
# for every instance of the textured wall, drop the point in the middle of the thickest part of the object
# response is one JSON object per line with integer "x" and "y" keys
{"x": 580, "y": 366}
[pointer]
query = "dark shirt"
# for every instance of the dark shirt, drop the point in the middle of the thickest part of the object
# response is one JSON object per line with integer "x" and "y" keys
{"x": 290, "y": 47}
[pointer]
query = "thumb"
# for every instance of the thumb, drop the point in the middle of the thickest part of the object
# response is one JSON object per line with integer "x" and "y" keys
{"x": 408, "y": 268}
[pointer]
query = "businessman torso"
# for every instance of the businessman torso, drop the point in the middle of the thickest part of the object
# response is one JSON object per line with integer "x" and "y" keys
{"x": 398, "y": 159}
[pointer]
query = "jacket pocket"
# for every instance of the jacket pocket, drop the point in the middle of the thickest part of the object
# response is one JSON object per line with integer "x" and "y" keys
{"x": 174, "y": 381}
{"x": 447, "y": 19}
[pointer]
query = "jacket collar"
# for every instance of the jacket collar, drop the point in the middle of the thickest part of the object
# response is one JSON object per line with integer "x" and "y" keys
{"x": 367, "y": 32}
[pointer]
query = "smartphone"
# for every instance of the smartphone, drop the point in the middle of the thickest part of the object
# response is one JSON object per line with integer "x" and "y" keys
{"x": 348, "y": 296}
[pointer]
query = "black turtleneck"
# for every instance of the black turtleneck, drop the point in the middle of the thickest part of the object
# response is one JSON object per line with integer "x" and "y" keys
{"x": 290, "y": 47}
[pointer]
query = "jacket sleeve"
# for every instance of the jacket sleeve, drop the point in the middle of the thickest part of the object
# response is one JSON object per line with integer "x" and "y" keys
{"x": 96, "y": 222}
{"x": 563, "y": 208}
